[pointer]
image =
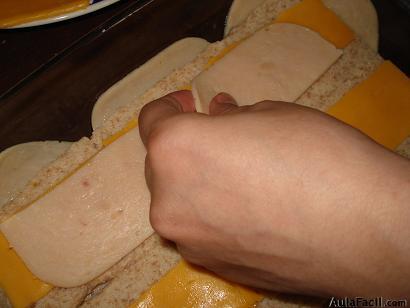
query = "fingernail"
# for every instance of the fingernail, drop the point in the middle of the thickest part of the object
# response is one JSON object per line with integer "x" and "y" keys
{"x": 225, "y": 98}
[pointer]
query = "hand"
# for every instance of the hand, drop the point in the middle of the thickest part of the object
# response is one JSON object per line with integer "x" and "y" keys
{"x": 278, "y": 196}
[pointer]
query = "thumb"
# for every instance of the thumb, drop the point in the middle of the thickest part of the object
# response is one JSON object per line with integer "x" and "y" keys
{"x": 163, "y": 108}
{"x": 222, "y": 103}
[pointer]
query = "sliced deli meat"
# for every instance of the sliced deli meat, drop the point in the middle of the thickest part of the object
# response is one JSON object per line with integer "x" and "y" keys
{"x": 88, "y": 222}
{"x": 278, "y": 62}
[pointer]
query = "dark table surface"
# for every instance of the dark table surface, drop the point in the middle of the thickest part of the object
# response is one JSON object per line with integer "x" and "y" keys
{"x": 52, "y": 75}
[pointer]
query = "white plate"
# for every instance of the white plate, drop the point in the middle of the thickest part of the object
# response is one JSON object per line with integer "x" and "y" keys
{"x": 89, "y": 9}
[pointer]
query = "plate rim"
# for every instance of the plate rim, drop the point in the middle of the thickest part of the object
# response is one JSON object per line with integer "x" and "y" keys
{"x": 89, "y": 9}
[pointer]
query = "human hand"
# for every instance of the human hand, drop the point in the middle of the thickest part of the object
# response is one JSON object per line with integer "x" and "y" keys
{"x": 278, "y": 196}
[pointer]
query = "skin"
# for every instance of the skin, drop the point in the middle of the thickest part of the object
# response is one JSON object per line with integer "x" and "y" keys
{"x": 278, "y": 196}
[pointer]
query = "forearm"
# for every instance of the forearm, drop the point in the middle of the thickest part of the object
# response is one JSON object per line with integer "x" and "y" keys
{"x": 388, "y": 260}
{"x": 398, "y": 233}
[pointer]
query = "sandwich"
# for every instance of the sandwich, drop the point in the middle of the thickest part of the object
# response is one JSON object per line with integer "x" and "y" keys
{"x": 90, "y": 240}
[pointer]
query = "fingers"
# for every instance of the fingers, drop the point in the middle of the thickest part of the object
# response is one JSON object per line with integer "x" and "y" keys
{"x": 163, "y": 108}
{"x": 222, "y": 103}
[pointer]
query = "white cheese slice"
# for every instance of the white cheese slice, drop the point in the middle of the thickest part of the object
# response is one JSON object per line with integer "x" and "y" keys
{"x": 90, "y": 221}
{"x": 278, "y": 62}
{"x": 128, "y": 89}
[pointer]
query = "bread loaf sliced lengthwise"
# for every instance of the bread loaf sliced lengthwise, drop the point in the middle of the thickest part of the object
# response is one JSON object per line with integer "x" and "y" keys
{"x": 123, "y": 283}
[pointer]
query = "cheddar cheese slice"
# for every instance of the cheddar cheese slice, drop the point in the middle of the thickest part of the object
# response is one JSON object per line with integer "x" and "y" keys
{"x": 222, "y": 54}
{"x": 313, "y": 14}
{"x": 188, "y": 286}
{"x": 130, "y": 125}
{"x": 15, "y": 12}
{"x": 379, "y": 106}
{"x": 21, "y": 286}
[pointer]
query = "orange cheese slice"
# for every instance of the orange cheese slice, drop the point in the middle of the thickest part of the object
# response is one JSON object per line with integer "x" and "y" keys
{"x": 188, "y": 286}
{"x": 379, "y": 106}
{"x": 222, "y": 54}
{"x": 313, "y": 14}
{"x": 129, "y": 126}
{"x": 15, "y": 12}
{"x": 20, "y": 285}
{"x": 185, "y": 87}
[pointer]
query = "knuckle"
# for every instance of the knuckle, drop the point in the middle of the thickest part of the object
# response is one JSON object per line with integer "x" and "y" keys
{"x": 144, "y": 110}
{"x": 160, "y": 222}
{"x": 170, "y": 139}
{"x": 156, "y": 141}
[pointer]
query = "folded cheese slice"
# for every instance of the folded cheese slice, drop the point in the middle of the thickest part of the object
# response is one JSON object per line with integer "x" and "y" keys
{"x": 278, "y": 62}
{"x": 88, "y": 222}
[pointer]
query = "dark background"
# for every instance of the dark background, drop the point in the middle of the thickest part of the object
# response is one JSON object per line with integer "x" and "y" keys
{"x": 51, "y": 76}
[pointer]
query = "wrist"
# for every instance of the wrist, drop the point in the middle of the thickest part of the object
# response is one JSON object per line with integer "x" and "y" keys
{"x": 388, "y": 257}
{"x": 370, "y": 251}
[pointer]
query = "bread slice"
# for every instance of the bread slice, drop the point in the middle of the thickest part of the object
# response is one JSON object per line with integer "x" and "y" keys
{"x": 124, "y": 282}
{"x": 404, "y": 148}
{"x": 20, "y": 163}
